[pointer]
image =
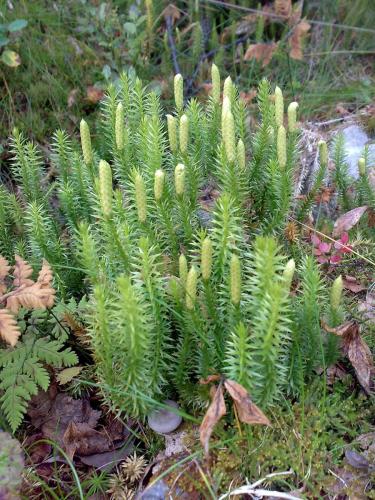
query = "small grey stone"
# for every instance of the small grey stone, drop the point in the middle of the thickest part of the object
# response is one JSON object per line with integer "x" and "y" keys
{"x": 164, "y": 420}
{"x": 157, "y": 491}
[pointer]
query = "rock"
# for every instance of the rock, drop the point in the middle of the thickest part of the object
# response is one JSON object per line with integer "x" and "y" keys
{"x": 355, "y": 141}
{"x": 164, "y": 420}
{"x": 157, "y": 491}
{"x": 11, "y": 466}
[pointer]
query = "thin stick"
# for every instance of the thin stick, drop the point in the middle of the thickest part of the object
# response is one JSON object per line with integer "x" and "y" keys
{"x": 172, "y": 45}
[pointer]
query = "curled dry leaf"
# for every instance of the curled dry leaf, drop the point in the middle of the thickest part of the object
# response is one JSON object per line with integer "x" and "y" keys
{"x": 248, "y": 412}
{"x": 261, "y": 52}
{"x": 22, "y": 272}
{"x": 4, "y": 271}
{"x": 94, "y": 94}
{"x": 351, "y": 283}
{"x": 283, "y": 8}
{"x": 9, "y": 330}
{"x": 214, "y": 413}
{"x": 210, "y": 379}
{"x": 171, "y": 11}
{"x": 296, "y": 39}
{"x": 82, "y": 437}
{"x": 357, "y": 351}
{"x": 348, "y": 220}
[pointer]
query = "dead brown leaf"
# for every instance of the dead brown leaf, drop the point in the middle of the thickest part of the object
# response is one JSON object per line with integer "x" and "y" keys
{"x": 72, "y": 97}
{"x": 351, "y": 283}
{"x": 371, "y": 217}
{"x": 210, "y": 379}
{"x": 335, "y": 372}
{"x": 172, "y": 11}
{"x": 82, "y": 438}
{"x": 248, "y": 412}
{"x": 248, "y": 97}
{"x": 94, "y": 94}
{"x": 296, "y": 40}
{"x": 348, "y": 220}
{"x": 261, "y": 52}
{"x": 325, "y": 195}
{"x": 357, "y": 351}
{"x": 214, "y": 413}
{"x": 360, "y": 357}
{"x": 341, "y": 110}
{"x": 283, "y": 8}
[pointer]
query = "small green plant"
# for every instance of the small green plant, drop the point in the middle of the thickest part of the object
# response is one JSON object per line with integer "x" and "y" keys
{"x": 177, "y": 291}
{"x": 23, "y": 364}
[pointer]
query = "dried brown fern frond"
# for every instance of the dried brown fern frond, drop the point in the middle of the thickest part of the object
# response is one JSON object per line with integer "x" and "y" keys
{"x": 4, "y": 271}
{"x": 22, "y": 272}
{"x": 9, "y": 330}
{"x": 38, "y": 295}
{"x": 26, "y": 293}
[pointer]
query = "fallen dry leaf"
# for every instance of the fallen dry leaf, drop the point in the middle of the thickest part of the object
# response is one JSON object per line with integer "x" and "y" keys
{"x": 283, "y": 8}
{"x": 261, "y": 52}
{"x": 94, "y": 94}
{"x": 348, "y": 220}
{"x": 296, "y": 40}
{"x": 357, "y": 351}
{"x": 351, "y": 283}
{"x": 360, "y": 357}
{"x": 341, "y": 110}
{"x": 210, "y": 379}
{"x": 248, "y": 412}
{"x": 72, "y": 97}
{"x": 214, "y": 413}
{"x": 248, "y": 97}
{"x": 335, "y": 372}
{"x": 82, "y": 438}
{"x": 73, "y": 423}
{"x": 109, "y": 459}
{"x": 325, "y": 195}
{"x": 171, "y": 11}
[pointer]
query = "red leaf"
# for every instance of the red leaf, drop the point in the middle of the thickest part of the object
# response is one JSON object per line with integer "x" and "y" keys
{"x": 325, "y": 247}
{"x": 315, "y": 240}
{"x": 322, "y": 260}
{"x": 344, "y": 238}
{"x": 248, "y": 412}
{"x": 214, "y": 413}
{"x": 335, "y": 259}
{"x": 348, "y": 220}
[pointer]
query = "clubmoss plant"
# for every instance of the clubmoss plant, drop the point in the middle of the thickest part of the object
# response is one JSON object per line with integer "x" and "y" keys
{"x": 171, "y": 226}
